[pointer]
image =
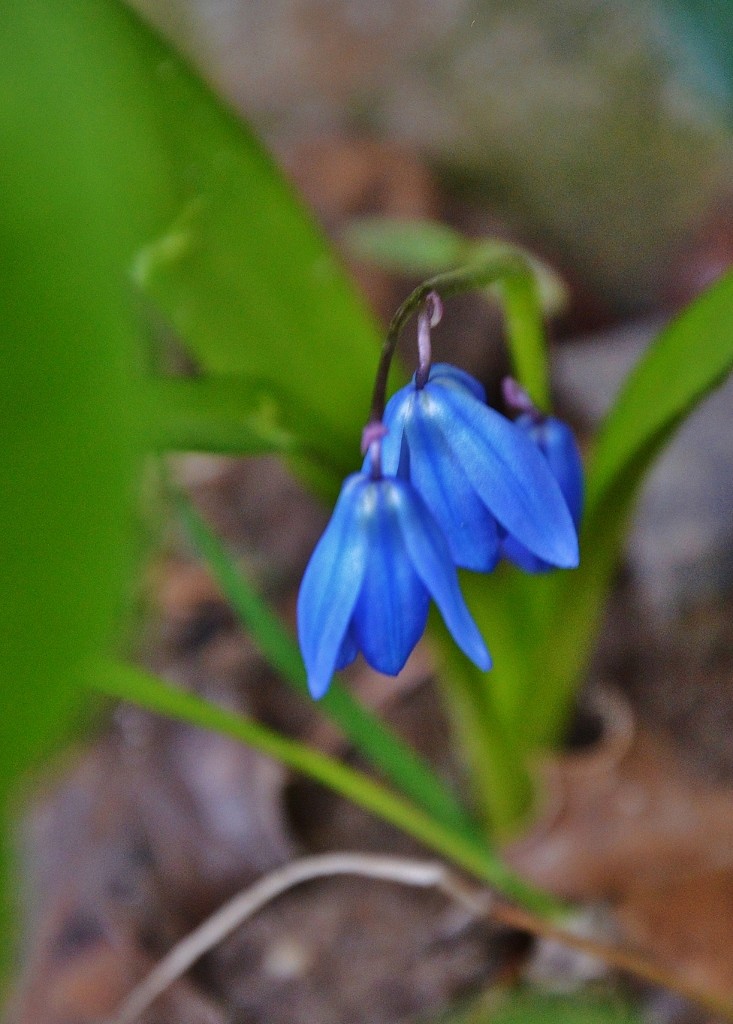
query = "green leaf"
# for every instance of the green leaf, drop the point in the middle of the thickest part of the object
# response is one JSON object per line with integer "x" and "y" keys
{"x": 529, "y": 1006}
{"x": 81, "y": 188}
{"x": 386, "y": 752}
{"x": 691, "y": 357}
{"x": 541, "y": 629}
{"x": 241, "y": 271}
{"x": 415, "y": 247}
{"x": 526, "y": 287}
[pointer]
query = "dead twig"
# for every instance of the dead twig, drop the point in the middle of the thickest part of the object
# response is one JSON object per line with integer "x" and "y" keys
{"x": 402, "y": 871}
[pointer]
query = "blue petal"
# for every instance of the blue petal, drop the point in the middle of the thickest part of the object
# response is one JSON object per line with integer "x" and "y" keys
{"x": 347, "y": 651}
{"x": 331, "y": 585}
{"x": 517, "y": 553}
{"x": 395, "y": 459}
{"x": 469, "y": 527}
{"x": 444, "y": 373}
{"x": 557, "y": 443}
{"x": 509, "y": 473}
{"x": 395, "y": 455}
{"x": 399, "y": 409}
{"x": 392, "y": 608}
{"x": 429, "y": 554}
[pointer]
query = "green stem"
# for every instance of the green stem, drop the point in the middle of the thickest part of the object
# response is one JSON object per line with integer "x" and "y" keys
{"x": 496, "y": 758}
{"x": 526, "y": 335}
{"x": 132, "y": 684}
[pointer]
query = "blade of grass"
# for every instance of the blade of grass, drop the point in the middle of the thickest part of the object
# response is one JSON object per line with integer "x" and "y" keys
{"x": 131, "y": 684}
{"x": 386, "y": 752}
{"x": 691, "y": 357}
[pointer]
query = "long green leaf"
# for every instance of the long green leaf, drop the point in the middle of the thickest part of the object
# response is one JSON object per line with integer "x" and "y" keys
{"x": 398, "y": 762}
{"x": 242, "y": 272}
{"x": 234, "y": 415}
{"x": 541, "y": 630}
{"x": 531, "y": 1006}
{"x": 126, "y": 683}
{"x": 81, "y": 188}
{"x": 691, "y": 357}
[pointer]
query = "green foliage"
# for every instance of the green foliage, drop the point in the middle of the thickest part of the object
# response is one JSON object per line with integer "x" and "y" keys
{"x": 126, "y": 683}
{"x": 415, "y": 247}
{"x": 108, "y": 139}
{"x": 530, "y": 1006}
{"x": 688, "y": 360}
{"x": 78, "y": 196}
{"x": 244, "y": 276}
{"x": 542, "y": 629}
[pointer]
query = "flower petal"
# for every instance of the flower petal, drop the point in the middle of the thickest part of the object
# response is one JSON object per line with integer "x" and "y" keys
{"x": 348, "y": 650}
{"x": 557, "y": 443}
{"x": 395, "y": 459}
{"x": 517, "y": 553}
{"x": 331, "y": 585}
{"x": 392, "y": 609}
{"x": 429, "y": 554}
{"x": 444, "y": 373}
{"x": 509, "y": 473}
{"x": 469, "y": 527}
{"x": 395, "y": 456}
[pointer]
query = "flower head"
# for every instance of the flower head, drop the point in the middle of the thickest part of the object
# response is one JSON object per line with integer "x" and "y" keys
{"x": 483, "y": 477}
{"x": 369, "y": 582}
{"x": 557, "y": 443}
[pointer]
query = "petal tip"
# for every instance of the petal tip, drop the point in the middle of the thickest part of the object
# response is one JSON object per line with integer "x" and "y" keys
{"x": 481, "y": 657}
{"x": 318, "y": 686}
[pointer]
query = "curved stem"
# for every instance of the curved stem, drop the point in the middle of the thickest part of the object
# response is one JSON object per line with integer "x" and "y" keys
{"x": 502, "y": 263}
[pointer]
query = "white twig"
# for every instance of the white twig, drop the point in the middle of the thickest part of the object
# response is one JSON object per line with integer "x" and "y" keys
{"x": 420, "y": 874}
{"x": 403, "y": 871}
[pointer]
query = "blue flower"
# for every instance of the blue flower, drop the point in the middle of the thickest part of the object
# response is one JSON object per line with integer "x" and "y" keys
{"x": 368, "y": 584}
{"x": 556, "y": 442}
{"x": 483, "y": 478}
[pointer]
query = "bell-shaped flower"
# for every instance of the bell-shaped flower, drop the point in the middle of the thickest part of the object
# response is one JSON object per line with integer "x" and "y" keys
{"x": 483, "y": 477}
{"x": 557, "y": 443}
{"x": 369, "y": 582}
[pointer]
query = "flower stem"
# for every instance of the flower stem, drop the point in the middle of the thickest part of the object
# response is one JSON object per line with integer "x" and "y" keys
{"x": 498, "y": 264}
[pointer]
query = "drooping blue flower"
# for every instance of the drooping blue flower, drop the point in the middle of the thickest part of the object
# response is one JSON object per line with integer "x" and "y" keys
{"x": 557, "y": 443}
{"x": 483, "y": 477}
{"x": 369, "y": 582}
